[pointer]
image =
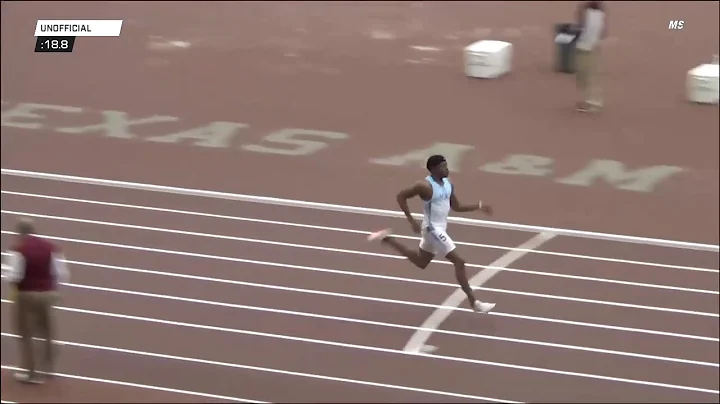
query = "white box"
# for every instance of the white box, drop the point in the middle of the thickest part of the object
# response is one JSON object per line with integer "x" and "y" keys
{"x": 702, "y": 84}
{"x": 488, "y": 59}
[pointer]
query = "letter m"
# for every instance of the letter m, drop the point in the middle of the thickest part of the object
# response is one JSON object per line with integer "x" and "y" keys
{"x": 614, "y": 172}
{"x": 676, "y": 24}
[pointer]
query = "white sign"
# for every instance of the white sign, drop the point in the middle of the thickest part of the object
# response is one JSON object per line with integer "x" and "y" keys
{"x": 97, "y": 28}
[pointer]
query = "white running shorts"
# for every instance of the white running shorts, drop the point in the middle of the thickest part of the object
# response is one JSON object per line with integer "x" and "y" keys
{"x": 436, "y": 242}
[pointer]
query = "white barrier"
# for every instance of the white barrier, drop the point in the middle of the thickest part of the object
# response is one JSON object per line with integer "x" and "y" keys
{"x": 355, "y": 209}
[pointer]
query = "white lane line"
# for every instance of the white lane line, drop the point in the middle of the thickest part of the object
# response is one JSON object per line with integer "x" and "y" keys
{"x": 392, "y": 351}
{"x": 425, "y": 48}
{"x": 141, "y": 386}
{"x": 353, "y": 231}
{"x": 492, "y": 266}
{"x": 329, "y": 207}
{"x": 372, "y": 323}
{"x": 505, "y": 291}
{"x": 419, "y": 338}
{"x": 270, "y": 370}
{"x": 400, "y": 302}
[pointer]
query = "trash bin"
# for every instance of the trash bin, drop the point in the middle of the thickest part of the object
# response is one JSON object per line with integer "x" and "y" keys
{"x": 566, "y": 35}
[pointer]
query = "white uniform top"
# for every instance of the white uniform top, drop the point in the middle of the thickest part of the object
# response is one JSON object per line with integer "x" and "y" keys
{"x": 437, "y": 209}
{"x": 592, "y": 31}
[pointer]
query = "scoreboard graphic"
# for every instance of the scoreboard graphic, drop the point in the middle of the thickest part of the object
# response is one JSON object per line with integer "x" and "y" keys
{"x": 58, "y": 36}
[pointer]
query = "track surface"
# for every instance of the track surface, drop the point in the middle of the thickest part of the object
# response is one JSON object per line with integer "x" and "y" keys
{"x": 505, "y": 356}
{"x": 259, "y": 285}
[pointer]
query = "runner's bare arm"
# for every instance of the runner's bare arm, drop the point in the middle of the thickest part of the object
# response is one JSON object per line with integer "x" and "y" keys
{"x": 420, "y": 189}
{"x": 460, "y": 207}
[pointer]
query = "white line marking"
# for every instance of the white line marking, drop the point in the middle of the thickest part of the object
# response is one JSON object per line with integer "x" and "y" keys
{"x": 352, "y": 209}
{"x": 311, "y": 291}
{"x": 382, "y": 34}
{"x": 142, "y": 386}
{"x": 366, "y": 322}
{"x": 356, "y": 252}
{"x": 270, "y": 370}
{"x": 353, "y": 231}
{"x": 425, "y": 48}
{"x": 418, "y": 62}
{"x": 331, "y": 343}
{"x": 506, "y": 291}
{"x": 420, "y": 337}
{"x": 428, "y": 349}
{"x": 465, "y": 360}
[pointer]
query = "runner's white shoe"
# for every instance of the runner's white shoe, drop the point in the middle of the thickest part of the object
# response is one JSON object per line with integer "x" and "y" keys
{"x": 483, "y": 307}
{"x": 379, "y": 235}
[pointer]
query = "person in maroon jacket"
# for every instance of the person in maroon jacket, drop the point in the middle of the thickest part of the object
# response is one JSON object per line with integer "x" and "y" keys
{"x": 35, "y": 268}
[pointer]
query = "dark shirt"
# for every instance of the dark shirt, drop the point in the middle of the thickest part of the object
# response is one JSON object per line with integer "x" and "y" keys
{"x": 36, "y": 265}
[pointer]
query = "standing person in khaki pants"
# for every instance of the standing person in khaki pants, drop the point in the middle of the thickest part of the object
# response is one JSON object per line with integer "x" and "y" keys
{"x": 35, "y": 269}
{"x": 592, "y": 21}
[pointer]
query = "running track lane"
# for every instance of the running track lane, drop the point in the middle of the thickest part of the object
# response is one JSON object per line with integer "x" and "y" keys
{"x": 379, "y": 366}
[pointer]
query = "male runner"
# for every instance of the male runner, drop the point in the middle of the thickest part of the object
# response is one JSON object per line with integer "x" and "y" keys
{"x": 438, "y": 196}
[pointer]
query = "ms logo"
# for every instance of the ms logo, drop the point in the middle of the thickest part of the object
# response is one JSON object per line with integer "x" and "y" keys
{"x": 676, "y": 24}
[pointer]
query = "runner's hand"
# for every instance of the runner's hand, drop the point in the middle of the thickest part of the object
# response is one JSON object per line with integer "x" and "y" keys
{"x": 415, "y": 226}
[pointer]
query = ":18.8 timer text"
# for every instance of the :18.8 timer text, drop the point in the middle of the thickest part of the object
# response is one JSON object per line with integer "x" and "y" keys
{"x": 52, "y": 44}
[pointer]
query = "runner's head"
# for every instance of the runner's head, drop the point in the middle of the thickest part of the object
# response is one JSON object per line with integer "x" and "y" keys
{"x": 437, "y": 165}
